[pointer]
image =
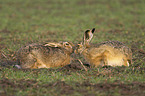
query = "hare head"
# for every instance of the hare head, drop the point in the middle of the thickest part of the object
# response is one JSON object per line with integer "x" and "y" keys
{"x": 68, "y": 46}
{"x": 88, "y": 35}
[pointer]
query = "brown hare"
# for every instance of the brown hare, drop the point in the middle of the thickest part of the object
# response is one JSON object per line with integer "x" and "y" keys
{"x": 47, "y": 55}
{"x": 111, "y": 53}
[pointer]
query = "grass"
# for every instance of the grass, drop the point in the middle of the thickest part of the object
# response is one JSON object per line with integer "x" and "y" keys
{"x": 24, "y": 22}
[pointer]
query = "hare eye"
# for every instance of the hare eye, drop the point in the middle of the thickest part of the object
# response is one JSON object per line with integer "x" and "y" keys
{"x": 66, "y": 44}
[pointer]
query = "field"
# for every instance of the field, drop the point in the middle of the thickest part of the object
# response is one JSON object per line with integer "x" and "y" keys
{"x": 27, "y": 21}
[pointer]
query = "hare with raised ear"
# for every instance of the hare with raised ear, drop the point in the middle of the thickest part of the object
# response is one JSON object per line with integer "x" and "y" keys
{"x": 47, "y": 55}
{"x": 112, "y": 53}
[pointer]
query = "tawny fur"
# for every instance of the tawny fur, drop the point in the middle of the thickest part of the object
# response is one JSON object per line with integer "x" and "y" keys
{"x": 112, "y": 53}
{"x": 47, "y": 55}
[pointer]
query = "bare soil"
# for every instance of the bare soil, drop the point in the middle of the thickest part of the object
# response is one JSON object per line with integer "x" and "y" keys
{"x": 134, "y": 88}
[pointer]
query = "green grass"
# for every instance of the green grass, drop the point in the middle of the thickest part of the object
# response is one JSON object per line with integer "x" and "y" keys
{"x": 23, "y": 22}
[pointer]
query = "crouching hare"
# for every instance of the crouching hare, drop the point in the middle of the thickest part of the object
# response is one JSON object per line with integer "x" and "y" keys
{"x": 48, "y": 55}
{"x": 110, "y": 53}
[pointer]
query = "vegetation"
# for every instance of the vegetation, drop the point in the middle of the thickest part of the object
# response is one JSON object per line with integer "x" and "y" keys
{"x": 23, "y": 22}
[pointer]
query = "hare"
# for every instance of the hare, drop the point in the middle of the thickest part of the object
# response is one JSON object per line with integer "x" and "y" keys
{"x": 111, "y": 53}
{"x": 47, "y": 55}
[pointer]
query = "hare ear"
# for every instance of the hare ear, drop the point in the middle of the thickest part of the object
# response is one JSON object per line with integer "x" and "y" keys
{"x": 88, "y": 36}
{"x": 51, "y": 44}
{"x": 93, "y": 30}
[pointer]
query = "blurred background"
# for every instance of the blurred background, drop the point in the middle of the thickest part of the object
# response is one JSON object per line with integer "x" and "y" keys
{"x": 27, "y": 21}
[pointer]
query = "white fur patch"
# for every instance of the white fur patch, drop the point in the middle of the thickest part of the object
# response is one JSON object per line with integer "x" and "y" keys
{"x": 18, "y": 66}
{"x": 127, "y": 63}
{"x": 43, "y": 66}
{"x": 115, "y": 62}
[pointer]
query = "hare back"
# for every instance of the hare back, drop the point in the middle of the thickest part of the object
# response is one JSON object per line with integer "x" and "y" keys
{"x": 116, "y": 45}
{"x": 39, "y": 56}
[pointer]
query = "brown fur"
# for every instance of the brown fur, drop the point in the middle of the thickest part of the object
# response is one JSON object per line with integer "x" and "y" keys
{"x": 48, "y": 55}
{"x": 112, "y": 53}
